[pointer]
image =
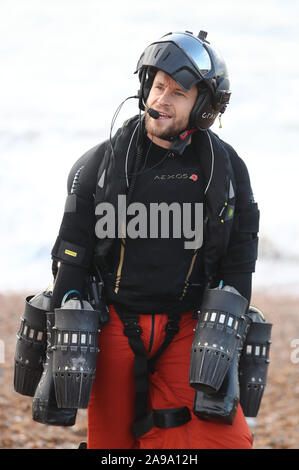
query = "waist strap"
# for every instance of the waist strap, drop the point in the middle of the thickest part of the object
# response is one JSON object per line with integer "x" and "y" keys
{"x": 168, "y": 418}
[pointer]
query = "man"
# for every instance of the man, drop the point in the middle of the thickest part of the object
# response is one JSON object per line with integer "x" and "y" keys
{"x": 174, "y": 105}
{"x": 141, "y": 396}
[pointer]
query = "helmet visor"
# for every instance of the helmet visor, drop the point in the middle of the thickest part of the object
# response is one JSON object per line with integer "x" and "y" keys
{"x": 194, "y": 48}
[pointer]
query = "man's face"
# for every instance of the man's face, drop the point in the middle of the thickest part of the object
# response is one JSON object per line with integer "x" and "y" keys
{"x": 167, "y": 97}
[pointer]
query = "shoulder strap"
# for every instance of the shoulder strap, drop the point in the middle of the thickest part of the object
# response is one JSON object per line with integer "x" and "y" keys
{"x": 219, "y": 202}
{"x": 113, "y": 175}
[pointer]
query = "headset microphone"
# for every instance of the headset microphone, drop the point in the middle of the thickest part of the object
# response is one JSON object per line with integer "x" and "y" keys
{"x": 152, "y": 112}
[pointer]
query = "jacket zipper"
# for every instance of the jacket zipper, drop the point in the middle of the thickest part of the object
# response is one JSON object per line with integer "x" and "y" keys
{"x": 152, "y": 333}
{"x": 186, "y": 285}
{"x": 120, "y": 266}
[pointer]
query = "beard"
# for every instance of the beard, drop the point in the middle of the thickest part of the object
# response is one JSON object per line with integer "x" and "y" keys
{"x": 172, "y": 130}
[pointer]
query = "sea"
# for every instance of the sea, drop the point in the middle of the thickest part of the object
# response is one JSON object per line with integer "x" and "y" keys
{"x": 66, "y": 65}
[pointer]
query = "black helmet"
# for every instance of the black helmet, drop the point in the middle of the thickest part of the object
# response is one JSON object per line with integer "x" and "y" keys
{"x": 189, "y": 60}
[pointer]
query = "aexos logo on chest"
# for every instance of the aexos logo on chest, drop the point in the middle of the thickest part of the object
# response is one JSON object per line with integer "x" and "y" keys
{"x": 176, "y": 177}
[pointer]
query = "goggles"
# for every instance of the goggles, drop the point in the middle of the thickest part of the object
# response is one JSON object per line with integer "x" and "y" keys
{"x": 182, "y": 56}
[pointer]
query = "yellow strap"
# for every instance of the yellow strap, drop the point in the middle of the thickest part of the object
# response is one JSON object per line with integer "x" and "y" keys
{"x": 258, "y": 311}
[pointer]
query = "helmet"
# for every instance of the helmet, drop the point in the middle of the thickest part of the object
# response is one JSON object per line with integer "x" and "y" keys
{"x": 189, "y": 60}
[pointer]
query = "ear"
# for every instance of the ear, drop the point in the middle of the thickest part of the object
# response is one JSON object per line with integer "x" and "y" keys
{"x": 146, "y": 77}
{"x": 149, "y": 80}
{"x": 140, "y": 93}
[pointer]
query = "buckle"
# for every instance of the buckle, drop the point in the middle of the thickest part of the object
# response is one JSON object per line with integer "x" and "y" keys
{"x": 132, "y": 328}
{"x": 172, "y": 326}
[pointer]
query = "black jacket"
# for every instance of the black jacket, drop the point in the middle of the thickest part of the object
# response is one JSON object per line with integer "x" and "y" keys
{"x": 231, "y": 215}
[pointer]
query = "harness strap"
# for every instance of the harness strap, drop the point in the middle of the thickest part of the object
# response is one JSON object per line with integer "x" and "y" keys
{"x": 168, "y": 418}
{"x": 144, "y": 420}
{"x": 172, "y": 328}
{"x": 133, "y": 331}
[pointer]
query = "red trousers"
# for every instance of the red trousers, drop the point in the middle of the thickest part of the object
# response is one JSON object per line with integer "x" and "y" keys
{"x": 111, "y": 407}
